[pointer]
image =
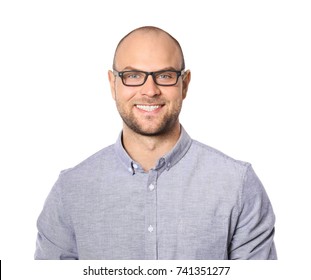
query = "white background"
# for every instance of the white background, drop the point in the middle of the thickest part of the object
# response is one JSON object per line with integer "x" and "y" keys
{"x": 249, "y": 98}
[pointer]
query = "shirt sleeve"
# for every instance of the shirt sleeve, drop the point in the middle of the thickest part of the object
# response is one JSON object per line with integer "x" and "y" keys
{"x": 254, "y": 233}
{"x": 55, "y": 239}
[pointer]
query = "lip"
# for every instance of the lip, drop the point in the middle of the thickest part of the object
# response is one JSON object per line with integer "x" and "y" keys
{"x": 149, "y": 108}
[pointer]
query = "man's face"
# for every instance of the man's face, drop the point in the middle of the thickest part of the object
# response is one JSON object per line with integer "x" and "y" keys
{"x": 149, "y": 109}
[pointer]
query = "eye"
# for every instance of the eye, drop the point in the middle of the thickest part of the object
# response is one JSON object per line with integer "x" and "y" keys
{"x": 166, "y": 75}
{"x": 133, "y": 75}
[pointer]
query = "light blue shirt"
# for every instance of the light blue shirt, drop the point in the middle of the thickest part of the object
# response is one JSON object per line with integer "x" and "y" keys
{"x": 196, "y": 203}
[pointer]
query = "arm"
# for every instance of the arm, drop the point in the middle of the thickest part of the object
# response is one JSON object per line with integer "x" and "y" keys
{"x": 254, "y": 233}
{"x": 55, "y": 240}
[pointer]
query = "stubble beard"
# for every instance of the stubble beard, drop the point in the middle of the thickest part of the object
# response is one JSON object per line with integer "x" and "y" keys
{"x": 164, "y": 127}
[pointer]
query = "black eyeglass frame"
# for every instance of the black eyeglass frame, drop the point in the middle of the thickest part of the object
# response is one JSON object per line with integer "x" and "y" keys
{"x": 153, "y": 74}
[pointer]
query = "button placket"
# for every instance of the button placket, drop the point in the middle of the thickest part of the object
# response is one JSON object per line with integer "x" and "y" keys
{"x": 151, "y": 216}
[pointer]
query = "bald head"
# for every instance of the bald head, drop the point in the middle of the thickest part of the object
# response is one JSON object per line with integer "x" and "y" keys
{"x": 148, "y": 39}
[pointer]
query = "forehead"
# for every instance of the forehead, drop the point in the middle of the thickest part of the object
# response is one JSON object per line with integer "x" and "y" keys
{"x": 148, "y": 50}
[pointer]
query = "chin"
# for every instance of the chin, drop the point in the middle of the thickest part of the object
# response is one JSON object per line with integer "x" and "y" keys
{"x": 151, "y": 129}
{"x": 149, "y": 132}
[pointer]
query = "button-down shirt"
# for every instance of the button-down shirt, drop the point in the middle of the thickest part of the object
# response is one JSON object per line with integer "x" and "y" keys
{"x": 196, "y": 203}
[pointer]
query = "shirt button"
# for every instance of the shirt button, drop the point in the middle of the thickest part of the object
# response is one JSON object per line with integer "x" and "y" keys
{"x": 151, "y": 187}
{"x": 135, "y": 165}
{"x": 168, "y": 166}
{"x": 150, "y": 228}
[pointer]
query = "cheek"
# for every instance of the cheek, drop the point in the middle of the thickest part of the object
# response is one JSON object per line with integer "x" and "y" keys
{"x": 176, "y": 98}
{"x": 123, "y": 94}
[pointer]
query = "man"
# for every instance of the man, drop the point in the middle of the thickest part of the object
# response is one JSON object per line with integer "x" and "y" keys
{"x": 155, "y": 193}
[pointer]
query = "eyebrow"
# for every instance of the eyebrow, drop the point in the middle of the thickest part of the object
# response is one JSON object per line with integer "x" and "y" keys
{"x": 130, "y": 68}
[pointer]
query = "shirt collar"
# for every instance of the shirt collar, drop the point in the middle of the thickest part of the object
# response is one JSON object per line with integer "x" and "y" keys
{"x": 165, "y": 162}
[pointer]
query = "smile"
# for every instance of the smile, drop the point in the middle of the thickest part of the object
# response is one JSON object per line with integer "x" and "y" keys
{"x": 148, "y": 108}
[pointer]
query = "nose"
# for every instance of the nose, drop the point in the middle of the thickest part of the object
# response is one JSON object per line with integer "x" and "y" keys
{"x": 150, "y": 88}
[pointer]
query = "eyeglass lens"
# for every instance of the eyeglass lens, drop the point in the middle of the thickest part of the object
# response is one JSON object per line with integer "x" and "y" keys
{"x": 133, "y": 78}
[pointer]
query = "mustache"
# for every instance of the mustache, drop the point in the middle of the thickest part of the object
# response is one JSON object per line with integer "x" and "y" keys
{"x": 150, "y": 100}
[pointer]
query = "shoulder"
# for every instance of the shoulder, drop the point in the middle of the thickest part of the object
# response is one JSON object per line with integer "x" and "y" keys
{"x": 91, "y": 165}
{"x": 219, "y": 167}
{"x": 88, "y": 176}
{"x": 232, "y": 173}
{"x": 217, "y": 157}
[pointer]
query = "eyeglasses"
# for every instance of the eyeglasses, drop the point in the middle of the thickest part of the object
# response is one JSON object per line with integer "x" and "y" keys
{"x": 138, "y": 78}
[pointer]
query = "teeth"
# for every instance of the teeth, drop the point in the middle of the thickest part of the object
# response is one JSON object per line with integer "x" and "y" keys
{"x": 148, "y": 108}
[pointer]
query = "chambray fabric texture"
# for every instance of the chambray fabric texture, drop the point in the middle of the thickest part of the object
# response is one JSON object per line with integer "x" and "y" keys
{"x": 196, "y": 203}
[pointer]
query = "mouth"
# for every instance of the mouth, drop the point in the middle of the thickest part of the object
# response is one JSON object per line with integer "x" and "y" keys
{"x": 148, "y": 108}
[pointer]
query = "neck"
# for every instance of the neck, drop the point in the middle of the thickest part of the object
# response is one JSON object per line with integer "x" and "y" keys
{"x": 146, "y": 150}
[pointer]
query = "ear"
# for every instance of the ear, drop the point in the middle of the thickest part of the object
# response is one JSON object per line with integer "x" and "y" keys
{"x": 185, "y": 83}
{"x": 112, "y": 79}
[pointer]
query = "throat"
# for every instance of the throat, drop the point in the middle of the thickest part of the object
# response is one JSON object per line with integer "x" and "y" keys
{"x": 147, "y": 150}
